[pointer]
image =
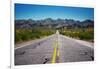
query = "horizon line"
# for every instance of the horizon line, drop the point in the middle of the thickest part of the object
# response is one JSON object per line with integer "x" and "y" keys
{"x": 54, "y": 19}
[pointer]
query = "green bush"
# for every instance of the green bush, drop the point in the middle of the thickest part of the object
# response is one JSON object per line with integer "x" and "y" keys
{"x": 28, "y": 34}
{"x": 84, "y": 34}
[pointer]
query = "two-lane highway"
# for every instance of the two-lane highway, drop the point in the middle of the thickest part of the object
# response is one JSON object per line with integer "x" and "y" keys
{"x": 56, "y": 48}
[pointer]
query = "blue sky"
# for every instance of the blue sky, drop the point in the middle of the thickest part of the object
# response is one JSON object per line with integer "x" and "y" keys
{"x": 38, "y": 12}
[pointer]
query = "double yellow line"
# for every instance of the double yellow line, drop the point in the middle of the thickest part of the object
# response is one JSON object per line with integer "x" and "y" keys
{"x": 55, "y": 53}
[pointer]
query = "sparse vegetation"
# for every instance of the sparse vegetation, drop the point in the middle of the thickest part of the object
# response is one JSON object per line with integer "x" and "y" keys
{"x": 29, "y": 34}
{"x": 83, "y": 34}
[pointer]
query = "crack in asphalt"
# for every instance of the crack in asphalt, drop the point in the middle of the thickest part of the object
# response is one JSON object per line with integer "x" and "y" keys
{"x": 46, "y": 60}
{"x": 21, "y": 53}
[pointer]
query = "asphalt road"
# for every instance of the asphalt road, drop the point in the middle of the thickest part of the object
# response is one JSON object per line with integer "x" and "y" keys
{"x": 56, "y": 48}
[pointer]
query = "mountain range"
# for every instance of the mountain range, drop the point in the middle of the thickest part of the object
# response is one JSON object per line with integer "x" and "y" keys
{"x": 51, "y": 23}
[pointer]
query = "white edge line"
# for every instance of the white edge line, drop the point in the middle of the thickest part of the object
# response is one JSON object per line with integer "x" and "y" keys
{"x": 32, "y": 43}
{"x": 78, "y": 41}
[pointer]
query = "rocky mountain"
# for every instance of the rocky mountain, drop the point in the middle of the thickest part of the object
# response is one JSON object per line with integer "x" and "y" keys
{"x": 51, "y": 23}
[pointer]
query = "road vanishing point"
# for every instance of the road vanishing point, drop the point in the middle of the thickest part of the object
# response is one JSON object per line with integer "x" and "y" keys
{"x": 56, "y": 48}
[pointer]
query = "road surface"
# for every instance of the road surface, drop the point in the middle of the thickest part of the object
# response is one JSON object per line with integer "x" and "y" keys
{"x": 56, "y": 48}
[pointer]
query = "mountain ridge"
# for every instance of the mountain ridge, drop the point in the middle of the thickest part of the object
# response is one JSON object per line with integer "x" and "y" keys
{"x": 52, "y": 23}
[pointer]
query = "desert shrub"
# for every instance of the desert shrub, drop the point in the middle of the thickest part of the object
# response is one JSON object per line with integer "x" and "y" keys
{"x": 84, "y": 34}
{"x": 29, "y": 34}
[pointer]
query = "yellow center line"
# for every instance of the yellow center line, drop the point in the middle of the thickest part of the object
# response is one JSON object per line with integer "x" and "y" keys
{"x": 54, "y": 53}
